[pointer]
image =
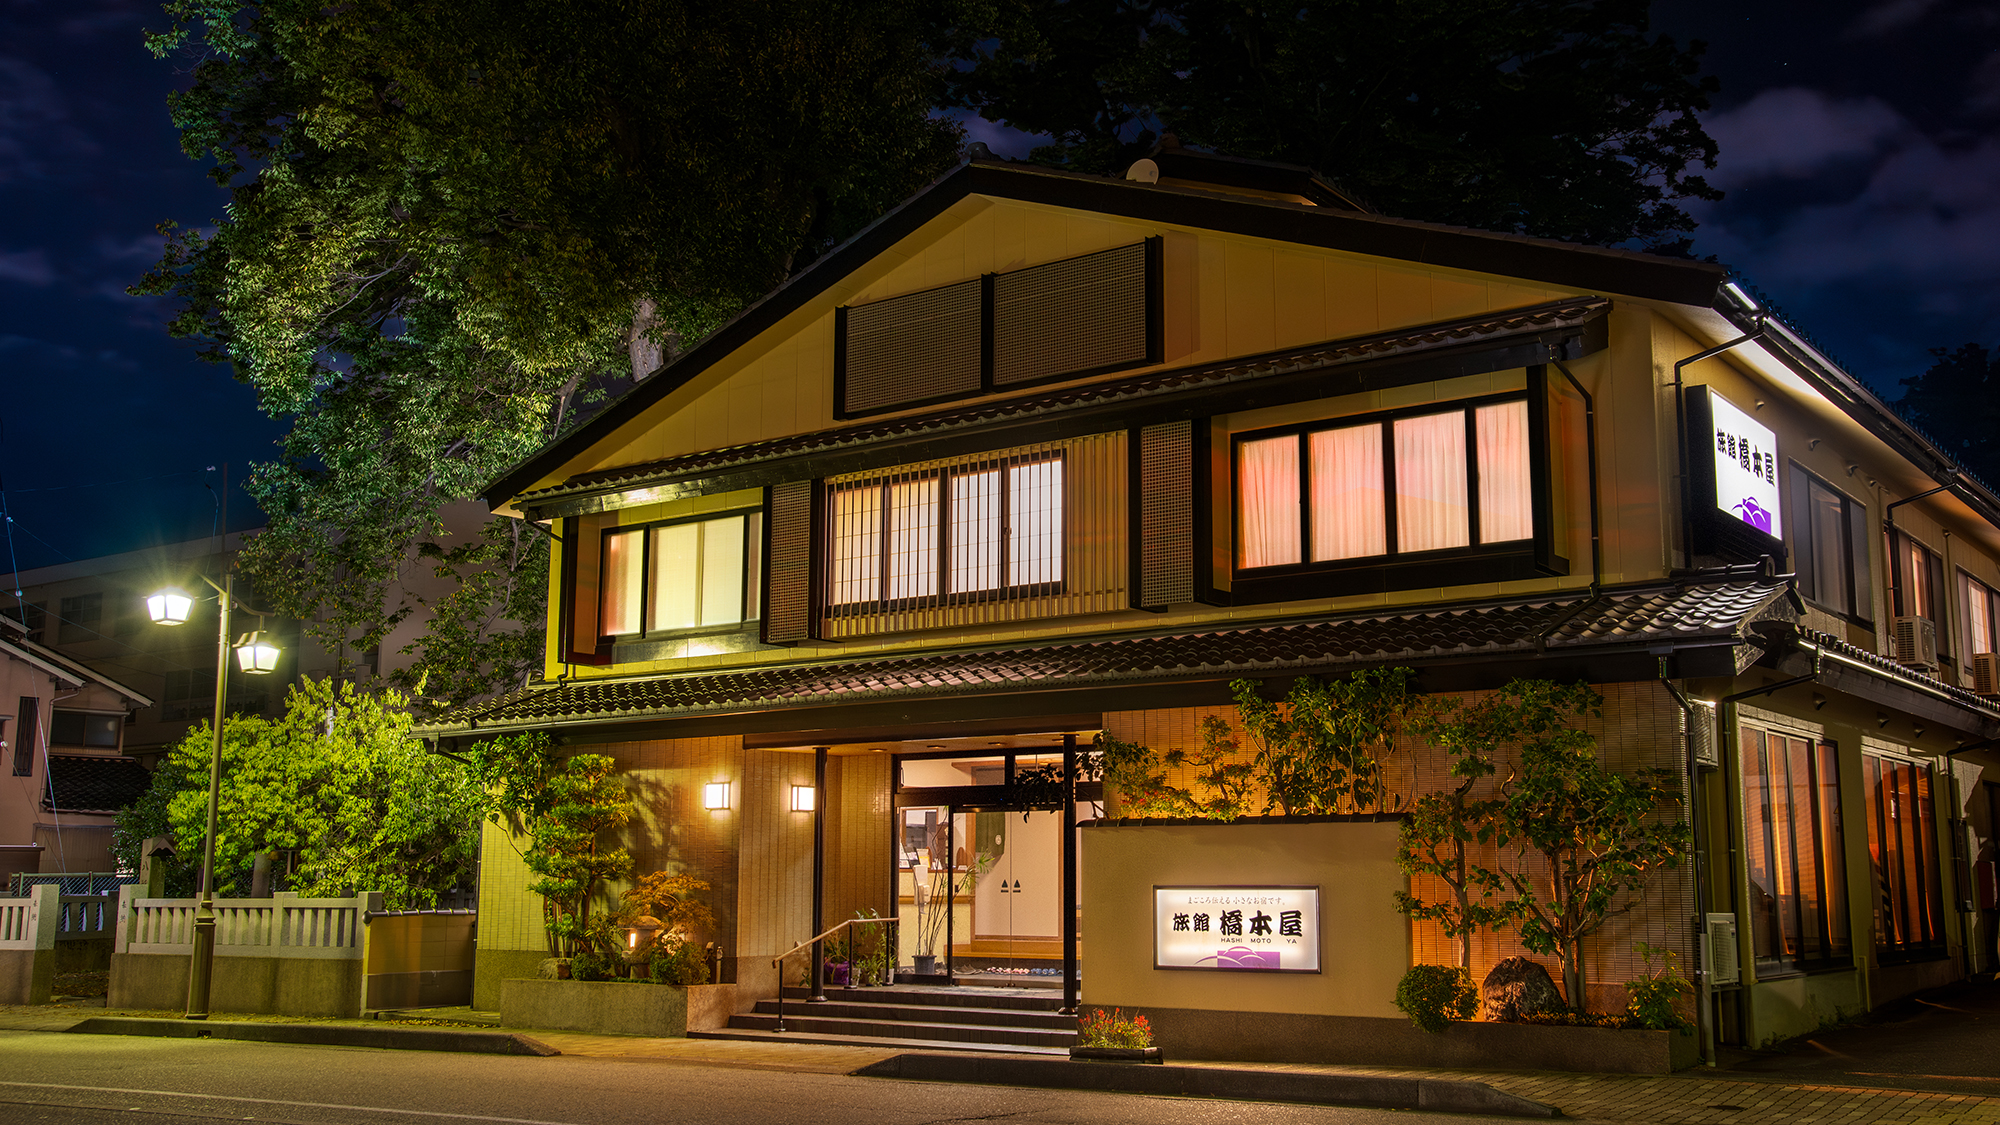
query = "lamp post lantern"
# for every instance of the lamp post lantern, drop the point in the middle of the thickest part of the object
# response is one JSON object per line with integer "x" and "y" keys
{"x": 256, "y": 655}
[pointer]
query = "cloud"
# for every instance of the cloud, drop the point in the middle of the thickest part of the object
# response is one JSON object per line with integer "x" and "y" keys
{"x": 28, "y": 267}
{"x": 1796, "y": 132}
{"x": 1888, "y": 17}
{"x": 143, "y": 248}
{"x": 34, "y": 122}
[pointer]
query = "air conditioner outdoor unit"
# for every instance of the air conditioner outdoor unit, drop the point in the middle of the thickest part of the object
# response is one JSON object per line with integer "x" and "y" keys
{"x": 1723, "y": 967}
{"x": 1986, "y": 673}
{"x": 1916, "y": 643}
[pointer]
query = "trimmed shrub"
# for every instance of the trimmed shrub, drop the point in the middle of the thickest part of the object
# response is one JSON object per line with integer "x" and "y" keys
{"x": 1434, "y": 995}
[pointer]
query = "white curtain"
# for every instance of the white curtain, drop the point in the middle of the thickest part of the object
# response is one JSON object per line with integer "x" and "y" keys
{"x": 1978, "y": 618}
{"x": 676, "y": 585}
{"x": 857, "y": 545}
{"x": 1267, "y": 474}
{"x": 1347, "y": 501}
{"x": 621, "y": 578}
{"x": 975, "y": 531}
{"x": 1430, "y": 483}
{"x": 1506, "y": 491}
{"x": 913, "y": 538}
{"x": 1035, "y": 515}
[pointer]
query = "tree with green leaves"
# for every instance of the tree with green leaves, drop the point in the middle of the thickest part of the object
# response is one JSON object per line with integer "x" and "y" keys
{"x": 1324, "y": 749}
{"x": 1222, "y": 783}
{"x": 1585, "y": 839}
{"x": 565, "y": 808}
{"x": 454, "y": 227}
{"x": 337, "y": 787}
{"x": 1957, "y": 401}
{"x": 1562, "y": 118}
{"x": 1442, "y": 826}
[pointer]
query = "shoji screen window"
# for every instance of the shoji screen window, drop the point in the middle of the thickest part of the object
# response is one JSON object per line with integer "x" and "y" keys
{"x": 981, "y": 532}
{"x": 1458, "y": 479}
{"x": 693, "y": 574}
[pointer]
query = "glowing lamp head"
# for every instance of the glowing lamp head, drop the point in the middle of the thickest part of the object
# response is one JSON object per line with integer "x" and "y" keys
{"x": 257, "y": 654}
{"x": 169, "y": 607}
{"x": 715, "y": 795}
{"x": 802, "y": 798}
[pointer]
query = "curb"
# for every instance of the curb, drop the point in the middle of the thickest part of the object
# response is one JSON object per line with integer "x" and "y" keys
{"x": 324, "y": 1035}
{"x": 1434, "y": 1094}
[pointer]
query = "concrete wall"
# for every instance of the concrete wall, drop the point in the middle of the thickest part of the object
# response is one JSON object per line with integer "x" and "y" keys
{"x": 292, "y": 986}
{"x": 1365, "y": 944}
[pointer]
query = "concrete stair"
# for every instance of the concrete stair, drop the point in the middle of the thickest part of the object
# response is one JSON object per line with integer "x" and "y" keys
{"x": 1001, "y": 1020}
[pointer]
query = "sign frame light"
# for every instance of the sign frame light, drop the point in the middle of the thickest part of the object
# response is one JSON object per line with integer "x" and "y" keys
{"x": 1736, "y": 479}
{"x": 1280, "y": 907}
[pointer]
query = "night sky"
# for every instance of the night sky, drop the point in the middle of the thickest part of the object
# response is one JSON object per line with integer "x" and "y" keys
{"x": 1860, "y": 153}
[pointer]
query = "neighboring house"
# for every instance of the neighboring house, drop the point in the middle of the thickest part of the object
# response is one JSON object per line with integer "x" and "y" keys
{"x": 1042, "y": 455}
{"x": 62, "y": 731}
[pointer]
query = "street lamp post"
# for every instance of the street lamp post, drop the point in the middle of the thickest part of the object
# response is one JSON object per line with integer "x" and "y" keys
{"x": 257, "y": 656}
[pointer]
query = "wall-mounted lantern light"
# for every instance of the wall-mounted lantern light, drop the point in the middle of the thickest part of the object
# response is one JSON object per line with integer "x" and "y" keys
{"x": 715, "y": 795}
{"x": 802, "y": 798}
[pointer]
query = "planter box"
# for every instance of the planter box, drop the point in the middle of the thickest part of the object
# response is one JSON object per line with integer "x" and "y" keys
{"x": 1118, "y": 1054}
{"x": 1291, "y": 1037}
{"x": 660, "y": 1011}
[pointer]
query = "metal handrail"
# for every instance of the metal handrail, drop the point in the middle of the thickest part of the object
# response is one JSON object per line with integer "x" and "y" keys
{"x": 818, "y": 971}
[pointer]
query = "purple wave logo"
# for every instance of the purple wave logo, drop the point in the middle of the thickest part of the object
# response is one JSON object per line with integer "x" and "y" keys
{"x": 1243, "y": 958}
{"x": 1754, "y": 514}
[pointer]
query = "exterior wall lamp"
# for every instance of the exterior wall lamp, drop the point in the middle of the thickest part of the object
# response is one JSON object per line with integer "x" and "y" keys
{"x": 715, "y": 795}
{"x": 802, "y": 798}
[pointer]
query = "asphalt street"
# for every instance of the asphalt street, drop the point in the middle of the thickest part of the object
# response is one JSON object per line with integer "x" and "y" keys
{"x": 59, "y": 1079}
{"x": 1947, "y": 1040}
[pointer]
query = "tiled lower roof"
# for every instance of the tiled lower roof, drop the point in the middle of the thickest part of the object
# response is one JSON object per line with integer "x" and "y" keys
{"x": 1538, "y": 318}
{"x": 90, "y": 783}
{"x": 1664, "y": 613}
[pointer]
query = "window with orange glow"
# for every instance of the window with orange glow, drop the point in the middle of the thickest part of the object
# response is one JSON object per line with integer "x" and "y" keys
{"x": 1902, "y": 847}
{"x": 1793, "y": 840}
{"x": 1439, "y": 480}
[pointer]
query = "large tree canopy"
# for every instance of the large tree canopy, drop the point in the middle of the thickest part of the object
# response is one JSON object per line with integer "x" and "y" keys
{"x": 1560, "y": 118}
{"x": 1958, "y": 402}
{"x": 454, "y": 223}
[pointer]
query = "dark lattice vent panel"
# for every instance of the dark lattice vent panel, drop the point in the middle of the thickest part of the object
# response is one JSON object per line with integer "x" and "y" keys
{"x": 1166, "y": 515}
{"x": 920, "y": 348}
{"x": 1079, "y": 316}
{"x": 788, "y": 569}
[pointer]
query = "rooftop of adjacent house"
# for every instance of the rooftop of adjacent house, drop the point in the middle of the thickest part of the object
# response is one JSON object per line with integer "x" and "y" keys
{"x": 93, "y": 783}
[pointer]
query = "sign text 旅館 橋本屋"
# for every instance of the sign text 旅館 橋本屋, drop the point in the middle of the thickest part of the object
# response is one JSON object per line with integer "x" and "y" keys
{"x": 1236, "y": 929}
{"x": 1746, "y": 467}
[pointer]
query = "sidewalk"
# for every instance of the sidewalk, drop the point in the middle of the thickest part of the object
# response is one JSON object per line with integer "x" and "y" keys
{"x": 1693, "y": 1097}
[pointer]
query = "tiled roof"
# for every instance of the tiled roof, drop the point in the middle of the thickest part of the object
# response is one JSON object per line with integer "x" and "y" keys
{"x": 1672, "y": 614}
{"x": 1889, "y": 669}
{"x": 1516, "y": 322}
{"x": 89, "y": 783}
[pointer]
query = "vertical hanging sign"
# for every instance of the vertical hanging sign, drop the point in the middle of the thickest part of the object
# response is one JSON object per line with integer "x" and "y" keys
{"x": 1236, "y": 929}
{"x": 1745, "y": 456}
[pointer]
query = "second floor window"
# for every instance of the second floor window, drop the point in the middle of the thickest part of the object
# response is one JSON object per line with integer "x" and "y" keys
{"x": 1982, "y": 616}
{"x": 1830, "y": 540}
{"x": 1435, "y": 481}
{"x": 688, "y": 575}
{"x": 977, "y": 532}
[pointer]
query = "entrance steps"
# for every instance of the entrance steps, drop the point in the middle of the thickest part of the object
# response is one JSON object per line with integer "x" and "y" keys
{"x": 913, "y": 1018}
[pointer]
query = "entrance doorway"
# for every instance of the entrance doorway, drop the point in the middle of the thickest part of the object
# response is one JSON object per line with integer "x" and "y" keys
{"x": 980, "y": 868}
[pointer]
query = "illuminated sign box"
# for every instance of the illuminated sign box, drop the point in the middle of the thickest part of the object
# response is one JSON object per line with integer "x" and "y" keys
{"x": 1735, "y": 471}
{"x": 1236, "y": 929}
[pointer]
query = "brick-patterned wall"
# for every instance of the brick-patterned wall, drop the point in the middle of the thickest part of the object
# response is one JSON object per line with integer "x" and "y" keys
{"x": 509, "y": 917}
{"x": 1641, "y": 726}
{"x": 774, "y": 888}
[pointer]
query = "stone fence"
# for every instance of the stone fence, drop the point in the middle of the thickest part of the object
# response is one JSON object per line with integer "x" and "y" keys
{"x": 45, "y": 932}
{"x": 292, "y": 956}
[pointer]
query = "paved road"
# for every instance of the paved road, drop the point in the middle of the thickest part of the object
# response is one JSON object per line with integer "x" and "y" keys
{"x": 1948, "y": 1041}
{"x": 56, "y": 1079}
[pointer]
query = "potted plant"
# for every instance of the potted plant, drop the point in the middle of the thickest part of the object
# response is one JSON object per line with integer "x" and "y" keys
{"x": 934, "y": 894}
{"x": 1113, "y": 1036}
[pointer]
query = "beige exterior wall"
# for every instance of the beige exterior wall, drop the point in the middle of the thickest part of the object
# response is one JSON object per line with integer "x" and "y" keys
{"x": 1365, "y": 944}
